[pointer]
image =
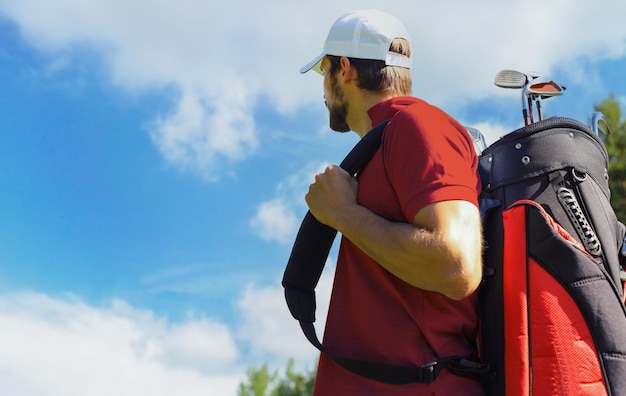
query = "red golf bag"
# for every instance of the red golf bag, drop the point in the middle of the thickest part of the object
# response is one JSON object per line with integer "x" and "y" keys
{"x": 552, "y": 314}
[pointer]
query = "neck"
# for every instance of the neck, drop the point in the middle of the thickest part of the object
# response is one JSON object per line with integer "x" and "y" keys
{"x": 359, "y": 119}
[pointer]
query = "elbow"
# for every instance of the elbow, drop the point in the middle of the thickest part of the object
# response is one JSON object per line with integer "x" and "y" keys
{"x": 461, "y": 292}
{"x": 463, "y": 283}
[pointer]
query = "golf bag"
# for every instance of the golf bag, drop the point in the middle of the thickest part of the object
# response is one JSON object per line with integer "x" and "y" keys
{"x": 552, "y": 315}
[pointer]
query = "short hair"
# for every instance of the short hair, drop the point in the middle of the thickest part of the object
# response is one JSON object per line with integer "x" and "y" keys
{"x": 374, "y": 75}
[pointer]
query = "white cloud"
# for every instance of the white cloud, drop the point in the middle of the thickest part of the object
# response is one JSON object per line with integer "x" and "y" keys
{"x": 275, "y": 221}
{"x": 217, "y": 58}
{"x": 278, "y": 218}
{"x": 270, "y": 330}
{"x": 204, "y": 134}
{"x": 222, "y": 58}
{"x": 62, "y": 347}
{"x": 55, "y": 346}
{"x": 201, "y": 345}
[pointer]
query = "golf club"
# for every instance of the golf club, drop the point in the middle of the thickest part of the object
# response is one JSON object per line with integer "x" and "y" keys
{"x": 542, "y": 90}
{"x": 513, "y": 79}
{"x": 598, "y": 124}
{"x": 479, "y": 139}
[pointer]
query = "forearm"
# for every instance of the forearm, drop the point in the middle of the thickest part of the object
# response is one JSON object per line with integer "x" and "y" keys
{"x": 439, "y": 260}
{"x": 440, "y": 251}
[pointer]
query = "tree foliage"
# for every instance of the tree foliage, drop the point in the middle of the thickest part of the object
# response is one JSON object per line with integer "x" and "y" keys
{"x": 262, "y": 382}
{"x": 616, "y": 146}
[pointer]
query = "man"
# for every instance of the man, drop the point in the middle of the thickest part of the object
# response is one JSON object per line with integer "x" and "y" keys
{"x": 410, "y": 255}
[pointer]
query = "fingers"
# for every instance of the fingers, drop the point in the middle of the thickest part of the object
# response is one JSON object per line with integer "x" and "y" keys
{"x": 332, "y": 171}
{"x": 333, "y": 183}
{"x": 334, "y": 178}
{"x": 331, "y": 193}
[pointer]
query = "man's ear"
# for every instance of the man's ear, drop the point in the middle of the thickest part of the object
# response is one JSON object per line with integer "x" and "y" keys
{"x": 347, "y": 71}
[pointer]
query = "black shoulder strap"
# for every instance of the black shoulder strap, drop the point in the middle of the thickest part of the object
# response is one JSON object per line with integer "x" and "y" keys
{"x": 315, "y": 239}
{"x": 305, "y": 267}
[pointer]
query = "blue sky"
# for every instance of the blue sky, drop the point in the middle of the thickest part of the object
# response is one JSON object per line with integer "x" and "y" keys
{"x": 154, "y": 158}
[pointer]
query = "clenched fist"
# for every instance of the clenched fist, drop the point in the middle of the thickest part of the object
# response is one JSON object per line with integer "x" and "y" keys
{"x": 331, "y": 195}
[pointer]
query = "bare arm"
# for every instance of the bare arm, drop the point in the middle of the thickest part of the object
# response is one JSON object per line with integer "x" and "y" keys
{"x": 441, "y": 250}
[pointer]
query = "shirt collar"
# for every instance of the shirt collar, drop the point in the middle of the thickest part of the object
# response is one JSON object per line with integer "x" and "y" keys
{"x": 388, "y": 108}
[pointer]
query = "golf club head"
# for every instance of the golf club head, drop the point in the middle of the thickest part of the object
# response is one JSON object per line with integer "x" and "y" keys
{"x": 513, "y": 79}
{"x": 479, "y": 139}
{"x": 545, "y": 90}
{"x": 536, "y": 91}
{"x": 598, "y": 124}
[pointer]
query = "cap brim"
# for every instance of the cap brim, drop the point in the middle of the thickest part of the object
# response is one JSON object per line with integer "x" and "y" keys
{"x": 315, "y": 65}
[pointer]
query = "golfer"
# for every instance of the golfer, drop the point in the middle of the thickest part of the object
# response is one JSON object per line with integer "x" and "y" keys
{"x": 410, "y": 257}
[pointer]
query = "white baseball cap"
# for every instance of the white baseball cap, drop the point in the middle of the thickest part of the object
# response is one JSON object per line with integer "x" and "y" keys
{"x": 363, "y": 34}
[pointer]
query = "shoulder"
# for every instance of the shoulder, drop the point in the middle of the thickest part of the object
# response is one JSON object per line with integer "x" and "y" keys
{"x": 420, "y": 112}
{"x": 425, "y": 123}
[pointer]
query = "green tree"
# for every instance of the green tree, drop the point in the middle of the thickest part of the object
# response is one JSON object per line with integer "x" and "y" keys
{"x": 295, "y": 384}
{"x": 616, "y": 146}
{"x": 262, "y": 382}
{"x": 258, "y": 383}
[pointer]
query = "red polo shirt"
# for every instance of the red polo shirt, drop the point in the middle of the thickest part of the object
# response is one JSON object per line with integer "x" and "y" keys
{"x": 425, "y": 157}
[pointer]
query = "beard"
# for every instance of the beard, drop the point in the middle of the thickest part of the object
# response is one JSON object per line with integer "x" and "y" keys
{"x": 338, "y": 109}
